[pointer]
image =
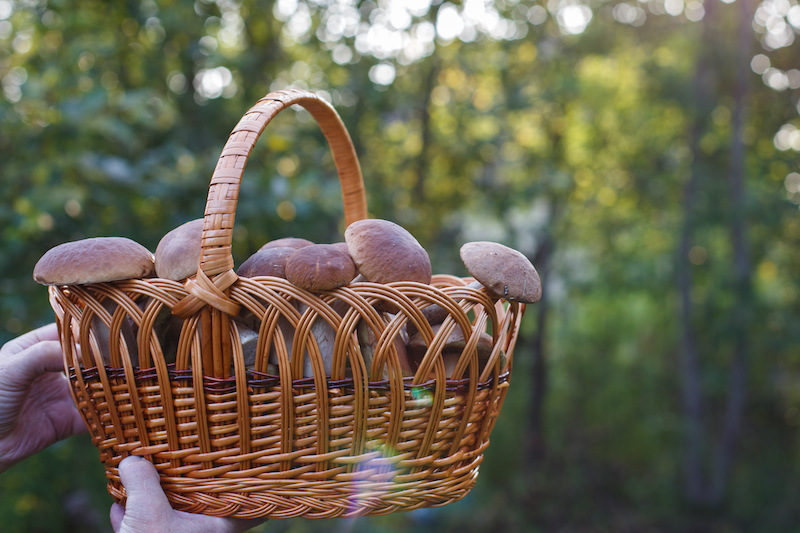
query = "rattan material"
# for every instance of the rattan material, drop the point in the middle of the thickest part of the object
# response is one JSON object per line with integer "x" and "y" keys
{"x": 233, "y": 440}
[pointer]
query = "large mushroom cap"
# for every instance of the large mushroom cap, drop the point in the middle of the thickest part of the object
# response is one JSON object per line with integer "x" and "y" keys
{"x": 505, "y": 272}
{"x": 385, "y": 252}
{"x": 287, "y": 242}
{"x": 94, "y": 260}
{"x": 320, "y": 267}
{"x": 266, "y": 262}
{"x": 178, "y": 252}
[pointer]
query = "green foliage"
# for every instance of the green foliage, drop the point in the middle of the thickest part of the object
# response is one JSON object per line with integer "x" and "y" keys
{"x": 112, "y": 117}
{"x": 59, "y": 489}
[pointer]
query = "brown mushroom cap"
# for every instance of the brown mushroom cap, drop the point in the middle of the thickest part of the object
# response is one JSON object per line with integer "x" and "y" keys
{"x": 505, "y": 272}
{"x": 266, "y": 262}
{"x": 451, "y": 351}
{"x": 94, "y": 260}
{"x": 287, "y": 242}
{"x": 178, "y": 252}
{"x": 342, "y": 246}
{"x": 385, "y": 252}
{"x": 320, "y": 267}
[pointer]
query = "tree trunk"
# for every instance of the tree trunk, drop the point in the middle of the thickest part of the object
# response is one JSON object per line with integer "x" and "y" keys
{"x": 426, "y": 133}
{"x": 535, "y": 444}
{"x": 691, "y": 388}
{"x": 741, "y": 261}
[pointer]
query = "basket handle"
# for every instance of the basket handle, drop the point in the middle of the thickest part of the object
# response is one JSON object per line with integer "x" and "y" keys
{"x": 216, "y": 258}
{"x": 223, "y": 193}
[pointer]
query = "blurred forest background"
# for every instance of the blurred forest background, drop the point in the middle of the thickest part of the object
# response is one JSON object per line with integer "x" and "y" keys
{"x": 642, "y": 153}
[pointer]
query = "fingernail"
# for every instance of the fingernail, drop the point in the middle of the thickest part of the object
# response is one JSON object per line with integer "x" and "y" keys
{"x": 128, "y": 461}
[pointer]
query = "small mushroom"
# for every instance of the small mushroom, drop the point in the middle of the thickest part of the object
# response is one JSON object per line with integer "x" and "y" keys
{"x": 102, "y": 335}
{"x": 435, "y": 313}
{"x": 167, "y": 328}
{"x": 325, "y": 335}
{"x": 342, "y": 246}
{"x": 304, "y": 273}
{"x": 385, "y": 252}
{"x": 178, "y": 252}
{"x": 177, "y": 258}
{"x": 320, "y": 267}
{"x": 249, "y": 340}
{"x": 452, "y": 350}
{"x": 94, "y": 260}
{"x": 287, "y": 242}
{"x": 505, "y": 272}
{"x": 266, "y": 262}
{"x": 368, "y": 342}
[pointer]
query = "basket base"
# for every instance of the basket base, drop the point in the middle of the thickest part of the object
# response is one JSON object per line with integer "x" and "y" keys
{"x": 310, "y": 498}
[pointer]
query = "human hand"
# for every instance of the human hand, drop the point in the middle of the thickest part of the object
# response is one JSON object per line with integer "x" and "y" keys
{"x": 36, "y": 407}
{"x": 147, "y": 509}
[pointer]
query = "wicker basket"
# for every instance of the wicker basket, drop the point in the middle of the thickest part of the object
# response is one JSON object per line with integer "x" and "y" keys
{"x": 229, "y": 440}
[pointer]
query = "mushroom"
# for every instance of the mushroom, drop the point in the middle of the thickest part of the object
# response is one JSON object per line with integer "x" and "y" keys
{"x": 368, "y": 342}
{"x": 435, "y": 313}
{"x": 320, "y": 267}
{"x": 167, "y": 328}
{"x": 290, "y": 242}
{"x": 102, "y": 335}
{"x": 505, "y": 272}
{"x": 266, "y": 262}
{"x": 342, "y": 246}
{"x": 249, "y": 340}
{"x": 178, "y": 252}
{"x": 310, "y": 271}
{"x": 315, "y": 268}
{"x": 97, "y": 260}
{"x": 94, "y": 260}
{"x": 177, "y": 258}
{"x": 452, "y": 349}
{"x": 385, "y": 252}
{"x": 325, "y": 335}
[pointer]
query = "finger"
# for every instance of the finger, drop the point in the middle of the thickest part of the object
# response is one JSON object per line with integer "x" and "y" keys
{"x": 44, "y": 356}
{"x": 116, "y": 514}
{"x": 79, "y": 426}
{"x": 44, "y": 333}
{"x": 20, "y": 370}
{"x": 142, "y": 485}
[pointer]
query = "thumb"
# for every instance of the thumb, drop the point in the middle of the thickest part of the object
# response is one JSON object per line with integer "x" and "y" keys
{"x": 146, "y": 504}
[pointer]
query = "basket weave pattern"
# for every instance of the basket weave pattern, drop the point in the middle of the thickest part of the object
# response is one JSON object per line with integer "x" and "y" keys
{"x": 230, "y": 439}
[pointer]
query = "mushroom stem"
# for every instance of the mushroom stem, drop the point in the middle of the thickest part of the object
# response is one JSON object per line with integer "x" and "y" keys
{"x": 368, "y": 343}
{"x": 325, "y": 336}
{"x": 435, "y": 314}
{"x": 249, "y": 322}
{"x": 102, "y": 335}
{"x": 452, "y": 351}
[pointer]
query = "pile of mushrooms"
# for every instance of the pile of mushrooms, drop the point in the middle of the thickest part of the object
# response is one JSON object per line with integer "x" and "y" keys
{"x": 373, "y": 250}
